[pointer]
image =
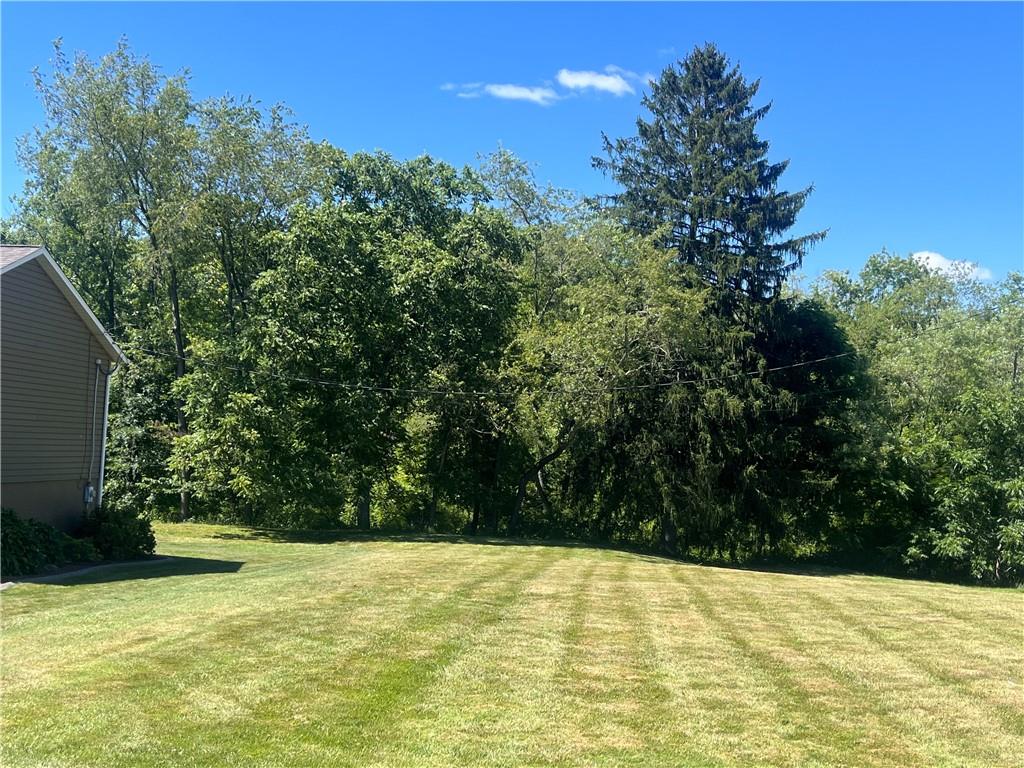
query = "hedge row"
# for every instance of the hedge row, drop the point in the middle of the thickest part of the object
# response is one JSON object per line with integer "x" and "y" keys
{"x": 29, "y": 546}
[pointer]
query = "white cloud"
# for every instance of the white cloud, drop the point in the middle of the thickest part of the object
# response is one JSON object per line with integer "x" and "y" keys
{"x": 612, "y": 82}
{"x": 536, "y": 94}
{"x": 461, "y": 87}
{"x": 645, "y": 79}
{"x": 627, "y": 73}
{"x": 939, "y": 263}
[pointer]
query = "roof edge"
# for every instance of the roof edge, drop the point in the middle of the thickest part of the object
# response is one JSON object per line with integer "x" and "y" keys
{"x": 56, "y": 274}
{"x": 39, "y": 250}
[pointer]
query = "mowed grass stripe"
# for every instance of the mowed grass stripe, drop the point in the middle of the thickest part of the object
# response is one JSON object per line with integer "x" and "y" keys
{"x": 977, "y": 704}
{"x": 812, "y": 732}
{"x": 435, "y": 653}
{"x": 607, "y": 683}
{"x": 233, "y": 609}
{"x": 485, "y": 706}
{"x": 995, "y": 617}
{"x": 645, "y": 720}
{"x": 982, "y": 664}
{"x": 711, "y": 697}
{"x": 349, "y": 694}
{"x": 912, "y": 667}
{"x": 935, "y": 707}
{"x": 813, "y": 653}
{"x": 106, "y": 617}
{"x": 355, "y": 717}
{"x": 987, "y": 628}
{"x": 171, "y": 685}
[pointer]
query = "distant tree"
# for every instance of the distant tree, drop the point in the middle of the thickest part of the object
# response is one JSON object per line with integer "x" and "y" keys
{"x": 111, "y": 182}
{"x": 942, "y": 437}
{"x": 698, "y": 175}
{"x": 252, "y": 167}
{"x": 372, "y": 304}
{"x": 156, "y": 206}
{"x": 732, "y": 454}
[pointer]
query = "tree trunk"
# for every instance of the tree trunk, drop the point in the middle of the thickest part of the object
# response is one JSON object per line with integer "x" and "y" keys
{"x": 474, "y": 523}
{"x": 542, "y": 491}
{"x": 435, "y": 490}
{"x": 363, "y": 504}
{"x": 111, "y": 293}
{"x": 230, "y": 280}
{"x": 761, "y": 515}
{"x": 185, "y": 475}
{"x": 669, "y": 534}
{"x": 534, "y": 473}
{"x": 494, "y": 490}
{"x": 513, "y": 521}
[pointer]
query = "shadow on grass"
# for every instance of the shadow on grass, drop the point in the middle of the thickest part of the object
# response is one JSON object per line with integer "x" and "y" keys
{"x": 778, "y": 565}
{"x": 336, "y": 536}
{"x": 153, "y": 568}
{"x": 618, "y": 550}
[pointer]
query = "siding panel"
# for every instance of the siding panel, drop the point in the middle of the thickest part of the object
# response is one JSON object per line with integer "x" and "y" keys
{"x": 47, "y": 379}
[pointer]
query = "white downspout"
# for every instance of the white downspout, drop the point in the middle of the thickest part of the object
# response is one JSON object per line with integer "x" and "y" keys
{"x": 106, "y": 413}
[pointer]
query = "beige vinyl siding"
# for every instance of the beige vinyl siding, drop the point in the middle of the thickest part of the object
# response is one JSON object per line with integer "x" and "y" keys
{"x": 48, "y": 392}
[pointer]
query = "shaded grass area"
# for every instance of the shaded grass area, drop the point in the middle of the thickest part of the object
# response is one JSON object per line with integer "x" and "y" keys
{"x": 250, "y": 649}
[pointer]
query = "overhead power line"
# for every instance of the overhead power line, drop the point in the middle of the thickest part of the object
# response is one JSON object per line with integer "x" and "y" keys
{"x": 487, "y": 393}
{"x": 492, "y": 393}
{"x": 352, "y": 386}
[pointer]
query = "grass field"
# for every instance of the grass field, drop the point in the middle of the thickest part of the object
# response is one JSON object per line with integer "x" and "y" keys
{"x": 247, "y": 651}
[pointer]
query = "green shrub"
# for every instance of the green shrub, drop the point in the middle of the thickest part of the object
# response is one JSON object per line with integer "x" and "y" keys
{"x": 81, "y": 551}
{"x": 118, "y": 534}
{"x": 29, "y": 546}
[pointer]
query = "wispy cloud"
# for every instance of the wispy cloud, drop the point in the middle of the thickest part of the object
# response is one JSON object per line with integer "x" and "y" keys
{"x": 939, "y": 263}
{"x": 542, "y": 95}
{"x": 614, "y": 80}
{"x": 464, "y": 90}
{"x": 537, "y": 94}
{"x": 611, "y": 81}
{"x": 632, "y": 76}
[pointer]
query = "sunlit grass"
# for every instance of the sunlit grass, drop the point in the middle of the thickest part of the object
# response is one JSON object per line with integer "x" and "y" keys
{"x": 257, "y": 652}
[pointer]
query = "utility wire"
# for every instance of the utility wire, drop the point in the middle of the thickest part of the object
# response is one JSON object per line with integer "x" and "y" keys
{"x": 492, "y": 393}
{"x": 512, "y": 393}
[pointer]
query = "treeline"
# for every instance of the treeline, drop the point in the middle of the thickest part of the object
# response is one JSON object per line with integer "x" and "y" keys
{"x": 319, "y": 339}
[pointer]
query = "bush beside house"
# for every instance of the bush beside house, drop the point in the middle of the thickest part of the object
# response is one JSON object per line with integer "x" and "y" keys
{"x": 29, "y": 546}
{"x": 118, "y": 535}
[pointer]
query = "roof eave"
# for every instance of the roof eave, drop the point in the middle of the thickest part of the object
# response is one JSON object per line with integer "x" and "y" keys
{"x": 74, "y": 298}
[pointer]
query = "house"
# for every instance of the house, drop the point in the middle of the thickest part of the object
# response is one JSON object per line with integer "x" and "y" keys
{"x": 55, "y": 366}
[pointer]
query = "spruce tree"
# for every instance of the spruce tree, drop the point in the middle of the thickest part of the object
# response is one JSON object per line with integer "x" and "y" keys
{"x": 698, "y": 170}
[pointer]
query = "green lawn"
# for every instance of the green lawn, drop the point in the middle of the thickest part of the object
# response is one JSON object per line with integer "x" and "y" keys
{"x": 256, "y": 652}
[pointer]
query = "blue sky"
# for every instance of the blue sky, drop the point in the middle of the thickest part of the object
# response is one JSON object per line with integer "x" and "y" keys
{"x": 907, "y": 118}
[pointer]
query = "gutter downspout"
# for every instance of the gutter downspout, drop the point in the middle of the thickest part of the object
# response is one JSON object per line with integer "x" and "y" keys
{"x": 106, "y": 414}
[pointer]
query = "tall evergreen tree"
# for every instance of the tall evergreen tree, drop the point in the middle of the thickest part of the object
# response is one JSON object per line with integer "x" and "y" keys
{"x": 698, "y": 174}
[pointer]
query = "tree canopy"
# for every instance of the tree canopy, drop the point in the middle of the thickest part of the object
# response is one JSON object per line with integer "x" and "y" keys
{"x": 697, "y": 176}
{"x": 324, "y": 339}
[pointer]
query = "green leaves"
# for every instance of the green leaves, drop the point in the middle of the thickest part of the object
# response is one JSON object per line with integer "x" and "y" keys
{"x": 945, "y": 353}
{"x": 308, "y": 328}
{"x": 699, "y": 167}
